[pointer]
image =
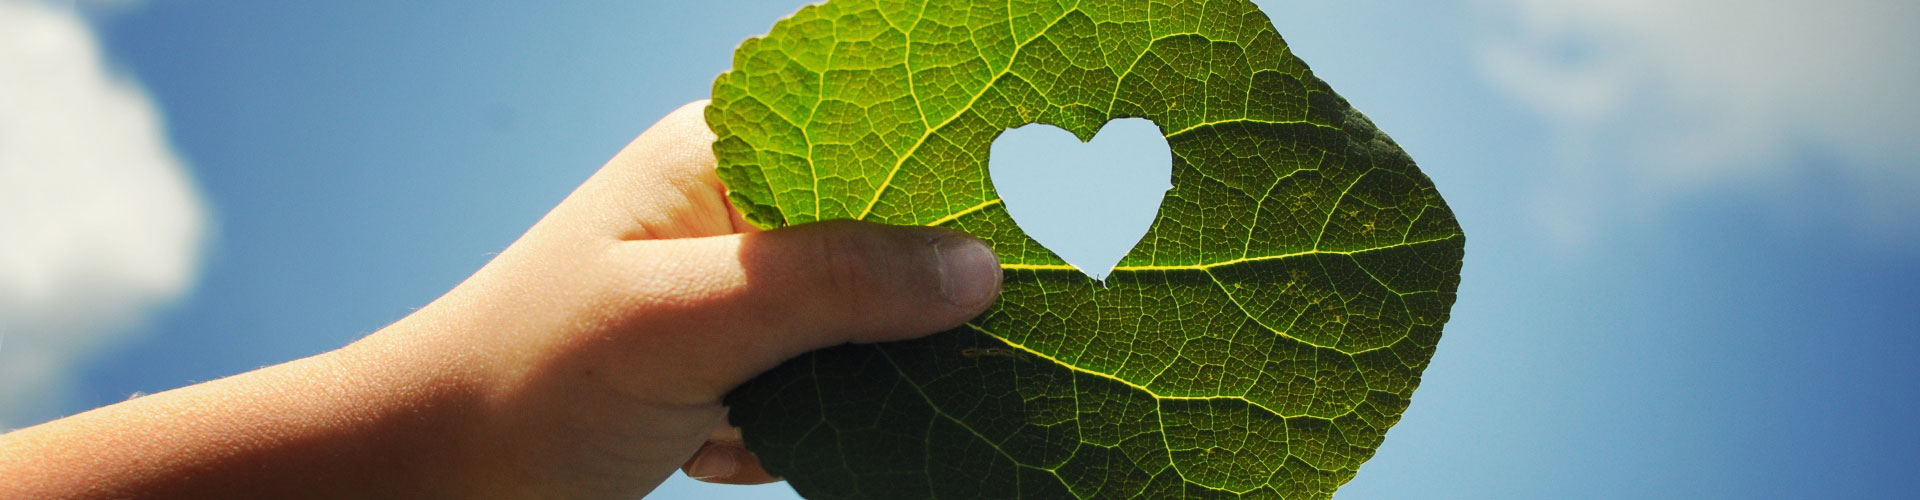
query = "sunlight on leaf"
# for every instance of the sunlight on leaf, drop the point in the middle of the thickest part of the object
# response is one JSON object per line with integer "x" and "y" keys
{"x": 1268, "y": 329}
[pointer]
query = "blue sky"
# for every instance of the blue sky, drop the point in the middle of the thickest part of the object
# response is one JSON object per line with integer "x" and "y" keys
{"x": 1690, "y": 270}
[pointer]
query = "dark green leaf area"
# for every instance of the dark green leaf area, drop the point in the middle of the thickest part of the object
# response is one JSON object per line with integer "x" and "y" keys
{"x": 1257, "y": 343}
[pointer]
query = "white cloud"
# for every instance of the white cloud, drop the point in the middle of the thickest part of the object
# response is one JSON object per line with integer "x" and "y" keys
{"x": 100, "y": 222}
{"x": 1656, "y": 100}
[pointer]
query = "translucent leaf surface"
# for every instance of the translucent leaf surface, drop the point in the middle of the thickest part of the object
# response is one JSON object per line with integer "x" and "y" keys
{"x": 1258, "y": 342}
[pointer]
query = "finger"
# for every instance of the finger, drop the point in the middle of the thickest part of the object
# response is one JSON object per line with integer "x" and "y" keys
{"x": 661, "y": 185}
{"x": 738, "y": 305}
{"x": 740, "y": 472}
{"x": 726, "y": 463}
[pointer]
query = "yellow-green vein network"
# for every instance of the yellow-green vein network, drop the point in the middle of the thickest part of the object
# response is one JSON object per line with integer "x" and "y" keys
{"x": 1257, "y": 343}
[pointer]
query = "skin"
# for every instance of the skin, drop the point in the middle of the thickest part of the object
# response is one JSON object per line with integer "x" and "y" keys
{"x": 588, "y": 360}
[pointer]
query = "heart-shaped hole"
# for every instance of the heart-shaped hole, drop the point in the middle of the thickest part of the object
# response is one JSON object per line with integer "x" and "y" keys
{"x": 1088, "y": 202}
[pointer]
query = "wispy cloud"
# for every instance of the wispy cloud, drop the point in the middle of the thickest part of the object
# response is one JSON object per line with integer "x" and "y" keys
{"x": 1657, "y": 100}
{"x": 100, "y": 222}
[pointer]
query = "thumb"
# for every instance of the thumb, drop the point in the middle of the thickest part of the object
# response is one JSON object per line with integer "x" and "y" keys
{"x": 747, "y": 302}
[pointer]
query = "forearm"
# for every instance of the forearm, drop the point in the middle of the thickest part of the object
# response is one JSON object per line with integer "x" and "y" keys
{"x": 333, "y": 425}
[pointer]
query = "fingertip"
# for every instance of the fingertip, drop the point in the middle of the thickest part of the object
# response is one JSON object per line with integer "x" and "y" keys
{"x": 696, "y": 110}
{"x": 726, "y": 463}
{"x": 712, "y": 462}
{"x": 969, "y": 271}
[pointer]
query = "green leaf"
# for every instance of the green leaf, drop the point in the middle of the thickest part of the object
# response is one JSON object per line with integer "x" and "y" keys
{"x": 1258, "y": 342}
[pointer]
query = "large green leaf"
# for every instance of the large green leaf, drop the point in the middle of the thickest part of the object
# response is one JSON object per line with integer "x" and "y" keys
{"x": 1258, "y": 342}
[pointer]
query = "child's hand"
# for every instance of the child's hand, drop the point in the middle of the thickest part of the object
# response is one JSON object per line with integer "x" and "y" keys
{"x": 612, "y": 329}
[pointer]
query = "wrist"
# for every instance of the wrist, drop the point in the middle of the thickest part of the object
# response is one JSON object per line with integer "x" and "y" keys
{"x": 432, "y": 415}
